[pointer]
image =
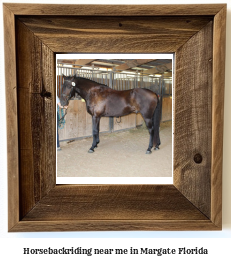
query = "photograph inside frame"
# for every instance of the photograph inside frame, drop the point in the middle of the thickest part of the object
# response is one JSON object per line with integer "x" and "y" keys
{"x": 114, "y": 119}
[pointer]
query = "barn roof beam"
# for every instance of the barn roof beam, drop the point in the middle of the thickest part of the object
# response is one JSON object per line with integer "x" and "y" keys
{"x": 76, "y": 63}
{"x": 83, "y": 62}
{"x": 160, "y": 69}
{"x": 133, "y": 63}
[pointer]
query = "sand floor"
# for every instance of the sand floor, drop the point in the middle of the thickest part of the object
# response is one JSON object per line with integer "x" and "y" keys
{"x": 119, "y": 154}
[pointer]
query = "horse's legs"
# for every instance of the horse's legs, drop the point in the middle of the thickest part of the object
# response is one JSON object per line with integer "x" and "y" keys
{"x": 158, "y": 143}
{"x": 95, "y": 132}
{"x": 149, "y": 125}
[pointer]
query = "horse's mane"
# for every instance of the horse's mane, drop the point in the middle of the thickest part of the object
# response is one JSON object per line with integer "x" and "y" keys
{"x": 101, "y": 84}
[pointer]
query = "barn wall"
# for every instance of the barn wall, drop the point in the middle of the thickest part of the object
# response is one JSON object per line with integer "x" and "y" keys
{"x": 79, "y": 122}
{"x": 125, "y": 122}
{"x": 166, "y": 108}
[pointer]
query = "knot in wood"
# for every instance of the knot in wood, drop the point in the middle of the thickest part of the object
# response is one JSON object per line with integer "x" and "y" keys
{"x": 198, "y": 158}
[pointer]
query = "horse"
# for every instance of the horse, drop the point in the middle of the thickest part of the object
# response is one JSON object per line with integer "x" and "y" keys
{"x": 102, "y": 101}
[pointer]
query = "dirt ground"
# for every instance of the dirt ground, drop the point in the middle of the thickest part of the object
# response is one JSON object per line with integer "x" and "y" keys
{"x": 119, "y": 154}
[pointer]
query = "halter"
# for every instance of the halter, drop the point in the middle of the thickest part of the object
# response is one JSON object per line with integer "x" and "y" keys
{"x": 69, "y": 96}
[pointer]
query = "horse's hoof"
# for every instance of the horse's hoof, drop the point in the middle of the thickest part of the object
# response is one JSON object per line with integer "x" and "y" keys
{"x": 156, "y": 148}
{"x": 148, "y": 152}
{"x": 90, "y": 151}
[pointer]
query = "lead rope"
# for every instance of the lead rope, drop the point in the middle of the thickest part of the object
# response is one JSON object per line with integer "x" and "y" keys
{"x": 61, "y": 121}
{"x": 118, "y": 121}
{"x": 63, "y": 115}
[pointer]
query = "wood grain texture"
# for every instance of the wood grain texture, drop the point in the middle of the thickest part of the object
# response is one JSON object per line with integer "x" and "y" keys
{"x": 113, "y": 207}
{"x": 113, "y": 202}
{"x": 114, "y": 225}
{"x": 189, "y": 204}
{"x": 106, "y": 35}
{"x": 115, "y": 10}
{"x": 193, "y": 126}
{"x": 218, "y": 115}
{"x": 11, "y": 116}
{"x": 36, "y": 103}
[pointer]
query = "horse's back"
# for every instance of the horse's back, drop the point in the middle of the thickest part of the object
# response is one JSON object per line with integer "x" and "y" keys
{"x": 105, "y": 101}
{"x": 146, "y": 93}
{"x": 146, "y": 101}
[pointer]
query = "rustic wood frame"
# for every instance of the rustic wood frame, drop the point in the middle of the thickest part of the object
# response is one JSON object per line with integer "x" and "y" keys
{"x": 195, "y": 32}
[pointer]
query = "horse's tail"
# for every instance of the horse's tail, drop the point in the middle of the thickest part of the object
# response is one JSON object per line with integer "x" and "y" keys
{"x": 156, "y": 123}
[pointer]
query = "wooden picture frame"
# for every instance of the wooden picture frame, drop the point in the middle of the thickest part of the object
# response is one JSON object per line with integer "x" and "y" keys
{"x": 33, "y": 34}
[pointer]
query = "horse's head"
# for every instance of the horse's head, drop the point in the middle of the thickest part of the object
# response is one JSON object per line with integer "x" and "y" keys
{"x": 67, "y": 90}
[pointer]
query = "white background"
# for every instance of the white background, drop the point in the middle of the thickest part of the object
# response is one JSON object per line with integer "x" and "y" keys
{"x": 218, "y": 243}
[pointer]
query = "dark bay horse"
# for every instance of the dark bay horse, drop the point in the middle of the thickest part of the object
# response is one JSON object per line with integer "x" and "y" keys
{"x": 102, "y": 101}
